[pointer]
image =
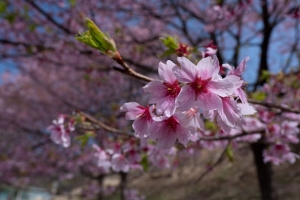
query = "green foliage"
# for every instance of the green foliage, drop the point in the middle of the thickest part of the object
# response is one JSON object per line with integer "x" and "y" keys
{"x": 265, "y": 76}
{"x": 32, "y": 27}
{"x": 258, "y": 95}
{"x": 2, "y": 7}
{"x": 11, "y": 17}
{"x": 171, "y": 43}
{"x": 229, "y": 153}
{"x": 72, "y": 2}
{"x": 210, "y": 126}
{"x": 83, "y": 139}
{"x": 144, "y": 162}
{"x": 95, "y": 38}
{"x": 167, "y": 53}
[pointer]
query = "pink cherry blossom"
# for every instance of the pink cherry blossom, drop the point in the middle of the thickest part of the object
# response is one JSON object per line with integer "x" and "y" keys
{"x": 279, "y": 153}
{"x": 161, "y": 157}
{"x": 120, "y": 163}
{"x": 141, "y": 116}
{"x": 230, "y": 113}
{"x": 289, "y": 132}
{"x": 60, "y": 134}
{"x": 103, "y": 159}
{"x": 210, "y": 50}
{"x": 164, "y": 92}
{"x": 169, "y": 129}
{"x": 195, "y": 120}
{"x": 238, "y": 73}
{"x": 203, "y": 86}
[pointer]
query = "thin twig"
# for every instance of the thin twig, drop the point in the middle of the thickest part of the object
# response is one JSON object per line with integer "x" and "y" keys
{"x": 104, "y": 126}
{"x": 128, "y": 70}
{"x": 271, "y": 105}
{"x": 244, "y": 133}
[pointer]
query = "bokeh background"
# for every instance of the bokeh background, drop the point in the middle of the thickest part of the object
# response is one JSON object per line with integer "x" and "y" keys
{"x": 45, "y": 72}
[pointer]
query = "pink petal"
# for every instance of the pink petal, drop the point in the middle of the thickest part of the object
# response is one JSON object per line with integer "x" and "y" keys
{"x": 188, "y": 71}
{"x": 208, "y": 67}
{"x": 155, "y": 130}
{"x": 235, "y": 80}
{"x": 242, "y": 67}
{"x": 210, "y": 114}
{"x": 166, "y": 141}
{"x": 230, "y": 114}
{"x": 165, "y": 71}
{"x": 166, "y": 106}
{"x": 183, "y": 136}
{"x": 246, "y": 109}
{"x": 242, "y": 95}
{"x": 186, "y": 98}
{"x": 140, "y": 127}
{"x": 209, "y": 101}
{"x": 221, "y": 87}
{"x": 132, "y": 110}
{"x": 223, "y": 125}
{"x": 156, "y": 88}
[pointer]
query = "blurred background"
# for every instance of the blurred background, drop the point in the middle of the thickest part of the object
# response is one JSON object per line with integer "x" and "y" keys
{"x": 46, "y": 72}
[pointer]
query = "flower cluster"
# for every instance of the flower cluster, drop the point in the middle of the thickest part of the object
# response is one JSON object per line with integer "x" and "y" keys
{"x": 60, "y": 131}
{"x": 184, "y": 95}
{"x": 129, "y": 156}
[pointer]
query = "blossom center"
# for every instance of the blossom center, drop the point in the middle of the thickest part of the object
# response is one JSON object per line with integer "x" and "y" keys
{"x": 199, "y": 85}
{"x": 171, "y": 124}
{"x": 173, "y": 89}
{"x": 146, "y": 113}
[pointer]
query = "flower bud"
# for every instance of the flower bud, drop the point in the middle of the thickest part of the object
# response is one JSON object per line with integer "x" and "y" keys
{"x": 95, "y": 38}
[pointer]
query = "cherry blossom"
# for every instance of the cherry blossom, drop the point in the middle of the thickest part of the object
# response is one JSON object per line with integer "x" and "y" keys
{"x": 103, "y": 159}
{"x": 203, "y": 87}
{"x": 60, "y": 134}
{"x": 141, "y": 116}
{"x": 168, "y": 129}
{"x": 279, "y": 153}
{"x": 120, "y": 163}
{"x": 164, "y": 93}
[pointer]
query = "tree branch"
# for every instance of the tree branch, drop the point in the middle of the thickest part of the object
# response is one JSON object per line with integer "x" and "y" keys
{"x": 271, "y": 105}
{"x": 104, "y": 126}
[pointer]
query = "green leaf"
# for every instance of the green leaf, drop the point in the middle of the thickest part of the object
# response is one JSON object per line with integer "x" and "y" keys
{"x": 170, "y": 42}
{"x": 83, "y": 139}
{"x": 167, "y": 53}
{"x": 258, "y": 95}
{"x": 265, "y": 76}
{"x": 72, "y": 2}
{"x": 10, "y": 17}
{"x": 144, "y": 162}
{"x": 2, "y": 7}
{"x": 95, "y": 38}
{"x": 32, "y": 27}
{"x": 229, "y": 153}
{"x": 210, "y": 126}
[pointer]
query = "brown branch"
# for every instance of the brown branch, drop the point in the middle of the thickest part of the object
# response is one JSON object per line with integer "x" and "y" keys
{"x": 128, "y": 70}
{"x": 104, "y": 126}
{"x": 244, "y": 133}
{"x": 271, "y": 105}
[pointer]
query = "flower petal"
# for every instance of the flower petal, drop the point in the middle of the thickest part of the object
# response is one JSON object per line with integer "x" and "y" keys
{"x": 186, "y": 98}
{"x": 165, "y": 71}
{"x": 208, "y": 67}
{"x": 209, "y": 101}
{"x": 187, "y": 73}
{"x": 222, "y": 87}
